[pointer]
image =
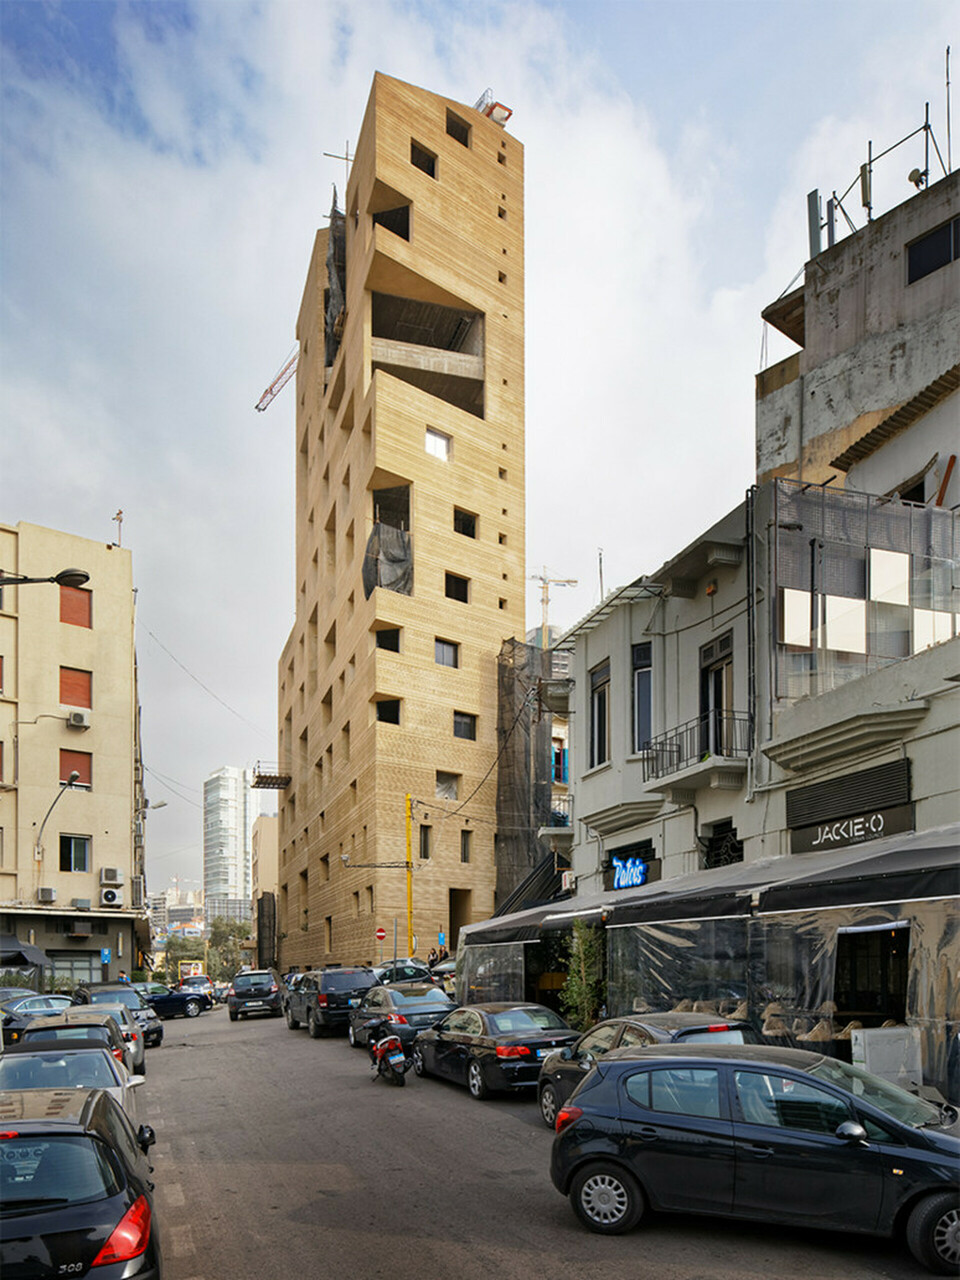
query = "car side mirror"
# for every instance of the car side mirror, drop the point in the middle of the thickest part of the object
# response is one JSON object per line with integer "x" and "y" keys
{"x": 852, "y": 1131}
{"x": 135, "y": 1081}
{"x": 145, "y": 1137}
{"x": 566, "y": 1053}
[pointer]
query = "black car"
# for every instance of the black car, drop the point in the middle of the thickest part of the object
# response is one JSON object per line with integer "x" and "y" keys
{"x": 167, "y": 1003}
{"x": 323, "y": 998}
{"x": 563, "y": 1071}
{"x": 769, "y": 1135}
{"x": 409, "y": 1007}
{"x": 75, "y": 1190}
{"x": 15, "y": 1013}
{"x": 491, "y": 1046}
{"x": 123, "y": 993}
{"x": 255, "y": 991}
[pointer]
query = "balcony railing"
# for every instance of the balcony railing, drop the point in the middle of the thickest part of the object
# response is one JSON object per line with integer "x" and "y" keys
{"x": 727, "y": 734}
{"x": 561, "y": 811}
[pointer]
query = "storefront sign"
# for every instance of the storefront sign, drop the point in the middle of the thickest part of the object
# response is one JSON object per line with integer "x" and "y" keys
{"x": 631, "y": 866}
{"x": 842, "y": 832}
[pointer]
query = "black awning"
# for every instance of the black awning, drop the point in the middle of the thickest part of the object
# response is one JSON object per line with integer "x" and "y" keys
{"x": 15, "y": 952}
{"x": 902, "y": 875}
{"x": 525, "y": 929}
{"x": 681, "y": 906}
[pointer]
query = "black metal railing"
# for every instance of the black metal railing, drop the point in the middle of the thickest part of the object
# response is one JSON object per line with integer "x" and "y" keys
{"x": 727, "y": 734}
{"x": 561, "y": 811}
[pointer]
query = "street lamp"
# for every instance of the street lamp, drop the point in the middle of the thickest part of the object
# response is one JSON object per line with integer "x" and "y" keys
{"x": 64, "y": 786}
{"x": 65, "y": 578}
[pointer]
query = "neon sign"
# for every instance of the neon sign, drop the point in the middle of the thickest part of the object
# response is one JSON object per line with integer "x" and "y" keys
{"x": 629, "y": 873}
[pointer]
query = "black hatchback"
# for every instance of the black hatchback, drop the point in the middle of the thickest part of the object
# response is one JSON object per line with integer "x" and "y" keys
{"x": 75, "y": 1190}
{"x": 767, "y": 1135}
{"x": 562, "y": 1071}
{"x": 255, "y": 991}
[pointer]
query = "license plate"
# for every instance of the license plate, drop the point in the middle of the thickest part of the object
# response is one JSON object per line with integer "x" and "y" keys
{"x": 395, "y": 1059}
{"x": 545, "y": 1053}
{"x": 354, "y": 1002}
{"x": 254, "y": 1004}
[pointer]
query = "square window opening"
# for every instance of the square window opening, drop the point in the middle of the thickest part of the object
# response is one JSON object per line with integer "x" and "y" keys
{"x": 464, "y": 522}
{"x": 465, "y": 725}
{"x": 423, "y": 159}
{"x": 457, "y": 588}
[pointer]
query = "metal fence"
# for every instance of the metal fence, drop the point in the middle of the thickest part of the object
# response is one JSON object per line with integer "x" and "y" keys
{"x": 715, "y": 733}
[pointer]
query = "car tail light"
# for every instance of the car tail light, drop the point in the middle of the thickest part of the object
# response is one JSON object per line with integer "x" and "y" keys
{"x": 9, "y": 1133}
{"x": 118, "y": 1054}
{"x": 513, "y": 1051}
{"x": 321, "y": 1000}
{"x": 273, "y": 988}
{"x": 129, "y": 1237}
{"x": 566, "y": 1116}
{"x": 396, "y": 1017}
{"x": 719, "y": 1026}
{"x": 230, "y": 991}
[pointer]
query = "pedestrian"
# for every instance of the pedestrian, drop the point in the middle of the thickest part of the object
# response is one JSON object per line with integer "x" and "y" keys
{"x": 444, "y": 953}
{"x": 432, "y": 958}
{"x": 122, "y": 976}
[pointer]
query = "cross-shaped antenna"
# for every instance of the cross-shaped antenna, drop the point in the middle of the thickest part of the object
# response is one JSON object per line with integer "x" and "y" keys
{"x": 346, "y": 158}
{"x": 119, "y": 519}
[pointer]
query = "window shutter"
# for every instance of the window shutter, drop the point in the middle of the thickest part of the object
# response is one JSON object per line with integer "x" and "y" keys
{"x": 76, "y": 606}
{"x": 82, "y": 762}
{"x": 75, "y": 687}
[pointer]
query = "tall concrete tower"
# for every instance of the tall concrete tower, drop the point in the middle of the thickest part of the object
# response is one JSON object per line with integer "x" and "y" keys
{"x": 410, "y": 532}
{"x": 229, "y": 809}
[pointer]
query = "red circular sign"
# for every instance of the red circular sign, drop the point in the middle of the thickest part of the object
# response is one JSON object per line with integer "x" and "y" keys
{"x": 381, "y": 934}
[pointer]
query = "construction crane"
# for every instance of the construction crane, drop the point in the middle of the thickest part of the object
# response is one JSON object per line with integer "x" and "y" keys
{"x": 545, "y": 584}
{"x": 280, "y": 381}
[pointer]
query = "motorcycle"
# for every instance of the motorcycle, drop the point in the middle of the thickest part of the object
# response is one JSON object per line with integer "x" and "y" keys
{"x": 386, "y": 1053}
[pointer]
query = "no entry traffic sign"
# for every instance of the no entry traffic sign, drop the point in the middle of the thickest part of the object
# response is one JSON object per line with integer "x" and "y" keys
{"x": 381, "y": 934}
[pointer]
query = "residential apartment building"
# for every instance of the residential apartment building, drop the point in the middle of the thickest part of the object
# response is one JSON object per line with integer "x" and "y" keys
{"x": 71, "y": 795}
{"x": 410, "y": 533}
{"x": 765, "y": 747}
{"x": 230, "y": 807}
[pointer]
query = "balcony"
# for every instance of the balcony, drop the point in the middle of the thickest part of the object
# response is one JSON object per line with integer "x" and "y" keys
{"x": 559, "y": 832}
{"x": 273, "y": 777}
{"x": 710, "y": 751}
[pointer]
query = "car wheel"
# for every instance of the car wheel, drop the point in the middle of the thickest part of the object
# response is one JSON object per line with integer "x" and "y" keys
{"x": 292, "y": 1022}
{"x": 142, "y": 1069}
{"x": 313, "y": 1026}
{"x": 192, "y": 1009}
{"x": 233, "y": 1015}
{"x": 933, "y": 1234}
{"x": 606, "y": 1199}
{"x": 418, "y": 1063}
{"x": 549, "y": 1105}
{"x": 352, "y": 1037}
{"x": 475, "y": 1081}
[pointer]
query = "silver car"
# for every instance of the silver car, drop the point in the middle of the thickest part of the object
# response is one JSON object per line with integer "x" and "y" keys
{"x": 65, "y": 1067}
{"x": 129, "y": 1025}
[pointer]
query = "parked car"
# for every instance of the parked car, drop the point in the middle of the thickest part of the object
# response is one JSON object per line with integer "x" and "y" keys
{"x": 445, "y": 972}
{"x": 10, "y": 993}
{"x": 167, "y": 1003}
{"x": 132, "y": 1031}
{"x": 75, "y": 1064}
{"x": 198, "y": 984}
{"x": 16, "y": 1012}
{"x": 255, "y": 991}
{"x": 491, "y": 1046}
{"x": 323, "y": 998}
{"x": 409, "y": 1007}
{"x": 562, "y": 1071}
{"x": 290, "y": 983}
{"x": 770, "y": 1135}
{"x": 75, "y": 1189}
{"x": 123, "y": 993}
{"x": 404, "y": 971}
{"x": 95, "y": 1026}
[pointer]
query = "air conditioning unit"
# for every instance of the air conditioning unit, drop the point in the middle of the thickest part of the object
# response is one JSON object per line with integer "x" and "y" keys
{"x": 81, "y": 904}
{"x": 78, "y": 719}
{"x": 46, "y": 894}
{"x": 80, "y": 929}
{"x": 111, "y": 875}
{"x": 568, "y": 881}
{"x": 111, "y": 897}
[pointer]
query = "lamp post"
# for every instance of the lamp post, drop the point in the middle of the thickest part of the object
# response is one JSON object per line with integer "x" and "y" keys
{"x": 64, "y": 786}
{"x": 65, "y": 578}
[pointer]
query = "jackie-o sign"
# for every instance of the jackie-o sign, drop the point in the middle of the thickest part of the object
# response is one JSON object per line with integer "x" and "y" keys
{"x": 854, "y": 830}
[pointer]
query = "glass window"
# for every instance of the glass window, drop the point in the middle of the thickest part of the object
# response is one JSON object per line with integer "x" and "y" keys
{"x": 642, "y": 675}
{"x": 638, "y": 1089}
{"x": 635, "y": 1037}
{"x": 600, "y": 715}
{"x": 465, "y": 725}
{"x": 446, "y": 653}
{"x": 448, "y": 785}
{"x": 464, "y": 522}
{"x": 425, "y": 834}
{"x": 58, "y": 1169}
{"x": 74, "y": 853}
{"x": 465, "y": 840}
{"x": 686, "y": 1091}
{"x": 457, "y": 588}
{"x": 599, "y": 1040}
{"x": 771, "y": 1099}
{"x": 437, "y": 444}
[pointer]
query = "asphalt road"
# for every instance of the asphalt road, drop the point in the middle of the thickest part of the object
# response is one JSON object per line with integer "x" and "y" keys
{"x": 278, "y": 1158}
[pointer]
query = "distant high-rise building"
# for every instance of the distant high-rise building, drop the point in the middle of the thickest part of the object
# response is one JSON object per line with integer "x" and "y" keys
{"x": 229, "y": 810}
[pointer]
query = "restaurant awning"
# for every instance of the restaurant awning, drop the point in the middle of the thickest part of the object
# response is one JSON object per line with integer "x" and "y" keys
{"x": 15, "y": 952}
{"x": 904, "y": 875}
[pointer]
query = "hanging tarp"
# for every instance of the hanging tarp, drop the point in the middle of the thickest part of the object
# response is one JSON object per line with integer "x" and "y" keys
{"x": 335, "y": 312}
{"x": 388, "y": 561}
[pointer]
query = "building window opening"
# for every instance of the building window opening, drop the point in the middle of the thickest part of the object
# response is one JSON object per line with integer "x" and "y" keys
{"x": 464, "y": 522}
{"x": 458, "y": 129}
{"x": 642, "y": 675}
{"x": 716, "y": 697}
{"x": 938, "y": 248}
{"x": 388, "y": 710}
{"x": 395, "y": 220}
{"x": 721, "y": 847}
{"x": 457, "y": 588}
{"x": 392, "y": 506}
{"x": 446, "y": 653}
{"x": 423, "y": 159}
{"x": 425, "y": 834}
{"x": 600, "y": 715}
{"x": 389, "y": 638}
{"x": 448, "y": 785}
{"x": 74, "y": 853}
{"x": 465, "y": 839}
{"x": 871, "y": 975}
{"x": 465, "y": 725}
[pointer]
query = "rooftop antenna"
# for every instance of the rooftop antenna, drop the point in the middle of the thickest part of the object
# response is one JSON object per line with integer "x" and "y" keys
{"x": 346, "y": 158}
{"x": 949, "y": 154}
{"x": 545, "y": 584}
{"x": 600, "y": 566}
{"x": 119, "y": 519}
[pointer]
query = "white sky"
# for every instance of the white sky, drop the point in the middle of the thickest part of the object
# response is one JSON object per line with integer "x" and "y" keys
{"x": 162, "y": 180}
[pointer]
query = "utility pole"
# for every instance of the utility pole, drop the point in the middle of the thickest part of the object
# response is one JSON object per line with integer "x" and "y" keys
{"x": 546, "y": 583}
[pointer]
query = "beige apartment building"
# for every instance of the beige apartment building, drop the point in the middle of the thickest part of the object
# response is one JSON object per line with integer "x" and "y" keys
{"x": 410, "y": 533}
{"x": 71, "y": 853}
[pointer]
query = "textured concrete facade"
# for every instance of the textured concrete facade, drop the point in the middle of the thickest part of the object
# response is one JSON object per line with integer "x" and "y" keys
{"x": 415, "y": 427}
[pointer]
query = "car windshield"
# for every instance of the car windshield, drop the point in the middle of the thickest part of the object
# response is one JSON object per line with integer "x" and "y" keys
{"x": 81, "y": 1069}
{"x": 526, "y": 1020}
{"x": 39, "y": 1172}
{"x": 348, "y": 980}
{"x": 248, "y": 981}
{"x": 78, "y": 1032}
{"x": 132, "y": 999}
{"x": 896, "y": 1102}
